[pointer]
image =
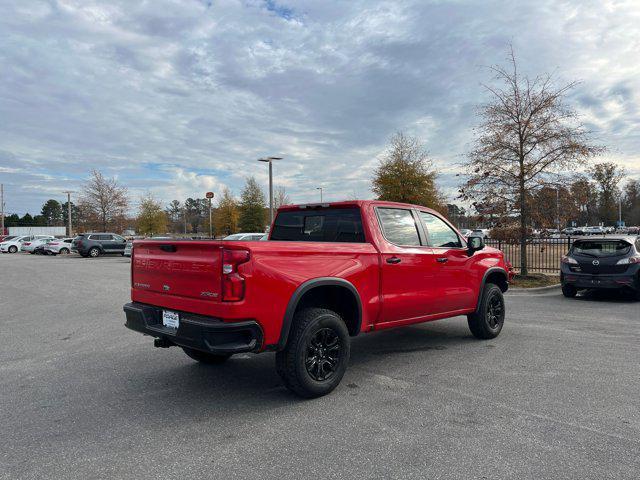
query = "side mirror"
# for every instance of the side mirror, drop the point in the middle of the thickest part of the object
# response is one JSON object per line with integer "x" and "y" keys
{"x": 475, "y": 243}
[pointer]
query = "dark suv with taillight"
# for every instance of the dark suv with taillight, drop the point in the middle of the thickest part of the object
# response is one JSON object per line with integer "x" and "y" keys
{"x": 611, "y": 262}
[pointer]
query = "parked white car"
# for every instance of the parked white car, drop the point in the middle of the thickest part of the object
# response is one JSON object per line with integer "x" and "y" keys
{"x": 31, "y": 246}
{"x": 15, "y": 244}
{"x": 245, "y": 237}
{"x": 59, "y": 246}
{"x": 596, "y": 230}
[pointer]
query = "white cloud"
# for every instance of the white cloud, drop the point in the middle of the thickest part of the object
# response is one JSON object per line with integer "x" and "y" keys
{"x": 178, "y": 97}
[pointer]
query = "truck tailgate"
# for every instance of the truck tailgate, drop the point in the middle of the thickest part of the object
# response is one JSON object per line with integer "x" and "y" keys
{"x": 190, "y": 269}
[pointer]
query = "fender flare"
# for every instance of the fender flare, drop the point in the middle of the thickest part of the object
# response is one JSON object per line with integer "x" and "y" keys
{"x": 307, "y": 286}
{"x": 489, "y": 271}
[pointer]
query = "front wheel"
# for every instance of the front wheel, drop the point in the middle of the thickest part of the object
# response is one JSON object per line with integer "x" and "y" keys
{"x": 317, "y": 353}
{"x": 64, "y": 251}
{"x": 487, "y": 321}
{"x": 569, "y": 291}
{"x": 204, "y": 357}
{"x": 13, "y": 249}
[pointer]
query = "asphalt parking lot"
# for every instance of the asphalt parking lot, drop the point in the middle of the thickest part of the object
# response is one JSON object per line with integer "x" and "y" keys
{"x": 555, "y": 396}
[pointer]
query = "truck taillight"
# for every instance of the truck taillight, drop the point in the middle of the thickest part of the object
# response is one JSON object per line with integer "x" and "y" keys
{"x": 232, "y": 281}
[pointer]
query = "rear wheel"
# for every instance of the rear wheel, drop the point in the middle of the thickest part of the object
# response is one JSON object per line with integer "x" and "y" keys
{"x": 64, "y": 251}
{"x": 94, "y": 252}
{"x": 569, "y": 290}
{"x": 317, "y": 353}
{"x": 204, "y": 357}
{"x": 487, "y": 322}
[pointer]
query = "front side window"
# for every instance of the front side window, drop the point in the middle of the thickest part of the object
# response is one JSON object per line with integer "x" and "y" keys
{"x": 440, "y": 234}
{"x": 398, "y": 226}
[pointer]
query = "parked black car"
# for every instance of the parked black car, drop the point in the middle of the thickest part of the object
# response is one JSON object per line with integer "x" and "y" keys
{"x": 603, "y": 262}
{"x": 96, "y": 244}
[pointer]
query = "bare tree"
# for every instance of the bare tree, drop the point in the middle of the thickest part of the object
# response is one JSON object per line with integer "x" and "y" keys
{"x": 280, "y": 197}
{"x": 607, "y": 176}
{"x": 103, "y": 201}
{"x": 527, "y": 138}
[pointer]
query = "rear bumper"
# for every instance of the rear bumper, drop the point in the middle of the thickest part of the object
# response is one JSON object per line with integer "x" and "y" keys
{"x": 601, "y": 281}
{"x": 207, "y": 334}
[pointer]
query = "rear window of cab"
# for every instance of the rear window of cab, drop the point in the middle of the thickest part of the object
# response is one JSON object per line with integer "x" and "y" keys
{"x": 319, "y": 225}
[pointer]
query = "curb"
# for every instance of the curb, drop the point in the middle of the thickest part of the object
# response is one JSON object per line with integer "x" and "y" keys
{"x": 534, "y": 290}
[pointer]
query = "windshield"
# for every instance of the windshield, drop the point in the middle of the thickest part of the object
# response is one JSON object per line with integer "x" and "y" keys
{"x": 601, "y": 248}
{"x": 9, "y": 238}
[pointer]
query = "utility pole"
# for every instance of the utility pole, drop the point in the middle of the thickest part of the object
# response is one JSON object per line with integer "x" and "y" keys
{"x": 270, "y": 160}
{"x": 1, "y": 209}
{"x": 320, "y": 188}
{"x": 68, "y": 192}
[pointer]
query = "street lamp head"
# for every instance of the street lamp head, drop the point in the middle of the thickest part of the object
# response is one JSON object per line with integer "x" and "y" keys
{"x": 269, "y": 159}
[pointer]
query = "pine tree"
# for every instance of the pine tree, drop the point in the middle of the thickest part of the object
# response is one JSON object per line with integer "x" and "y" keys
{"x": 252, "y": 207}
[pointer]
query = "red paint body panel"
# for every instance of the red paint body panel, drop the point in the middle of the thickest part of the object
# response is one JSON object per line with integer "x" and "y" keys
{"x": 187, "y": 276}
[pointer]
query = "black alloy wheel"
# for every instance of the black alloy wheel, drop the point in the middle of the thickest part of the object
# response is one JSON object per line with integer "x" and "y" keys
{"x": 323, "y": 354}
{"x": 495, "y": 311}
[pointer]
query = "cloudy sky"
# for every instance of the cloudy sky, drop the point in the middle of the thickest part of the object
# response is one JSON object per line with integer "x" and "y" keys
{"x": 178, "y": 97}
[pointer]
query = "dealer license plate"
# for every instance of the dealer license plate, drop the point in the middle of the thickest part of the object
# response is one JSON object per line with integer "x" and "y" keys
{"x": 170, "y": 319}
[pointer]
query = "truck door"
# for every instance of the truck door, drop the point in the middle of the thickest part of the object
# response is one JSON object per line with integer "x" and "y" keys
{"x": 409, "y": 290}
{"x": 454, "y": 272}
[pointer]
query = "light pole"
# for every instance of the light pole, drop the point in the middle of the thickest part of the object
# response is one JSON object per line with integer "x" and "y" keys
{"x": 2, "y": 208}
{"x": 320, "y": 188}
{"x": 620, "y": 211}
{"x": 558, "y": 208}
{"x": 269, "y": 160}
{"x": 69, "y": 192}
{"x": 209, "y": 197}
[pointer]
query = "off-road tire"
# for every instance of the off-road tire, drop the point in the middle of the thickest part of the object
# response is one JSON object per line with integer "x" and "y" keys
{"x": 569, "y": 291}
{"x": 487, "y": 321}
{"x": 204, "y": 357}
{"x": 303, "y": 358}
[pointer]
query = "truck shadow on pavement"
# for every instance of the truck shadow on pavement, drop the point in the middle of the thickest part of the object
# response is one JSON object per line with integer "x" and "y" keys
{"x": 250, "y": 382}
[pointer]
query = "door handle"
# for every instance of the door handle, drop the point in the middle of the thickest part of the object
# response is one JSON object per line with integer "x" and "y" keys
{"x": 393, "y": 260}
{"x": 442, "y": 259}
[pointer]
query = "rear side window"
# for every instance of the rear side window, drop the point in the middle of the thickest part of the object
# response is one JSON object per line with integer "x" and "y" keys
{"x": 398, "y": 226}
{"x": 601, "y": 248}
{"x": 321, "y": 225}
{"x": 440, "y": 234}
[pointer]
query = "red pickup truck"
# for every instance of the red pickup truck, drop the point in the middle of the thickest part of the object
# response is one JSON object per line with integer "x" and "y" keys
{"x": 327, "y": 273}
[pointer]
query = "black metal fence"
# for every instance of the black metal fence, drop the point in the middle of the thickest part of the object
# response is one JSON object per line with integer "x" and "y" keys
{"x": 543, "y": 254}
